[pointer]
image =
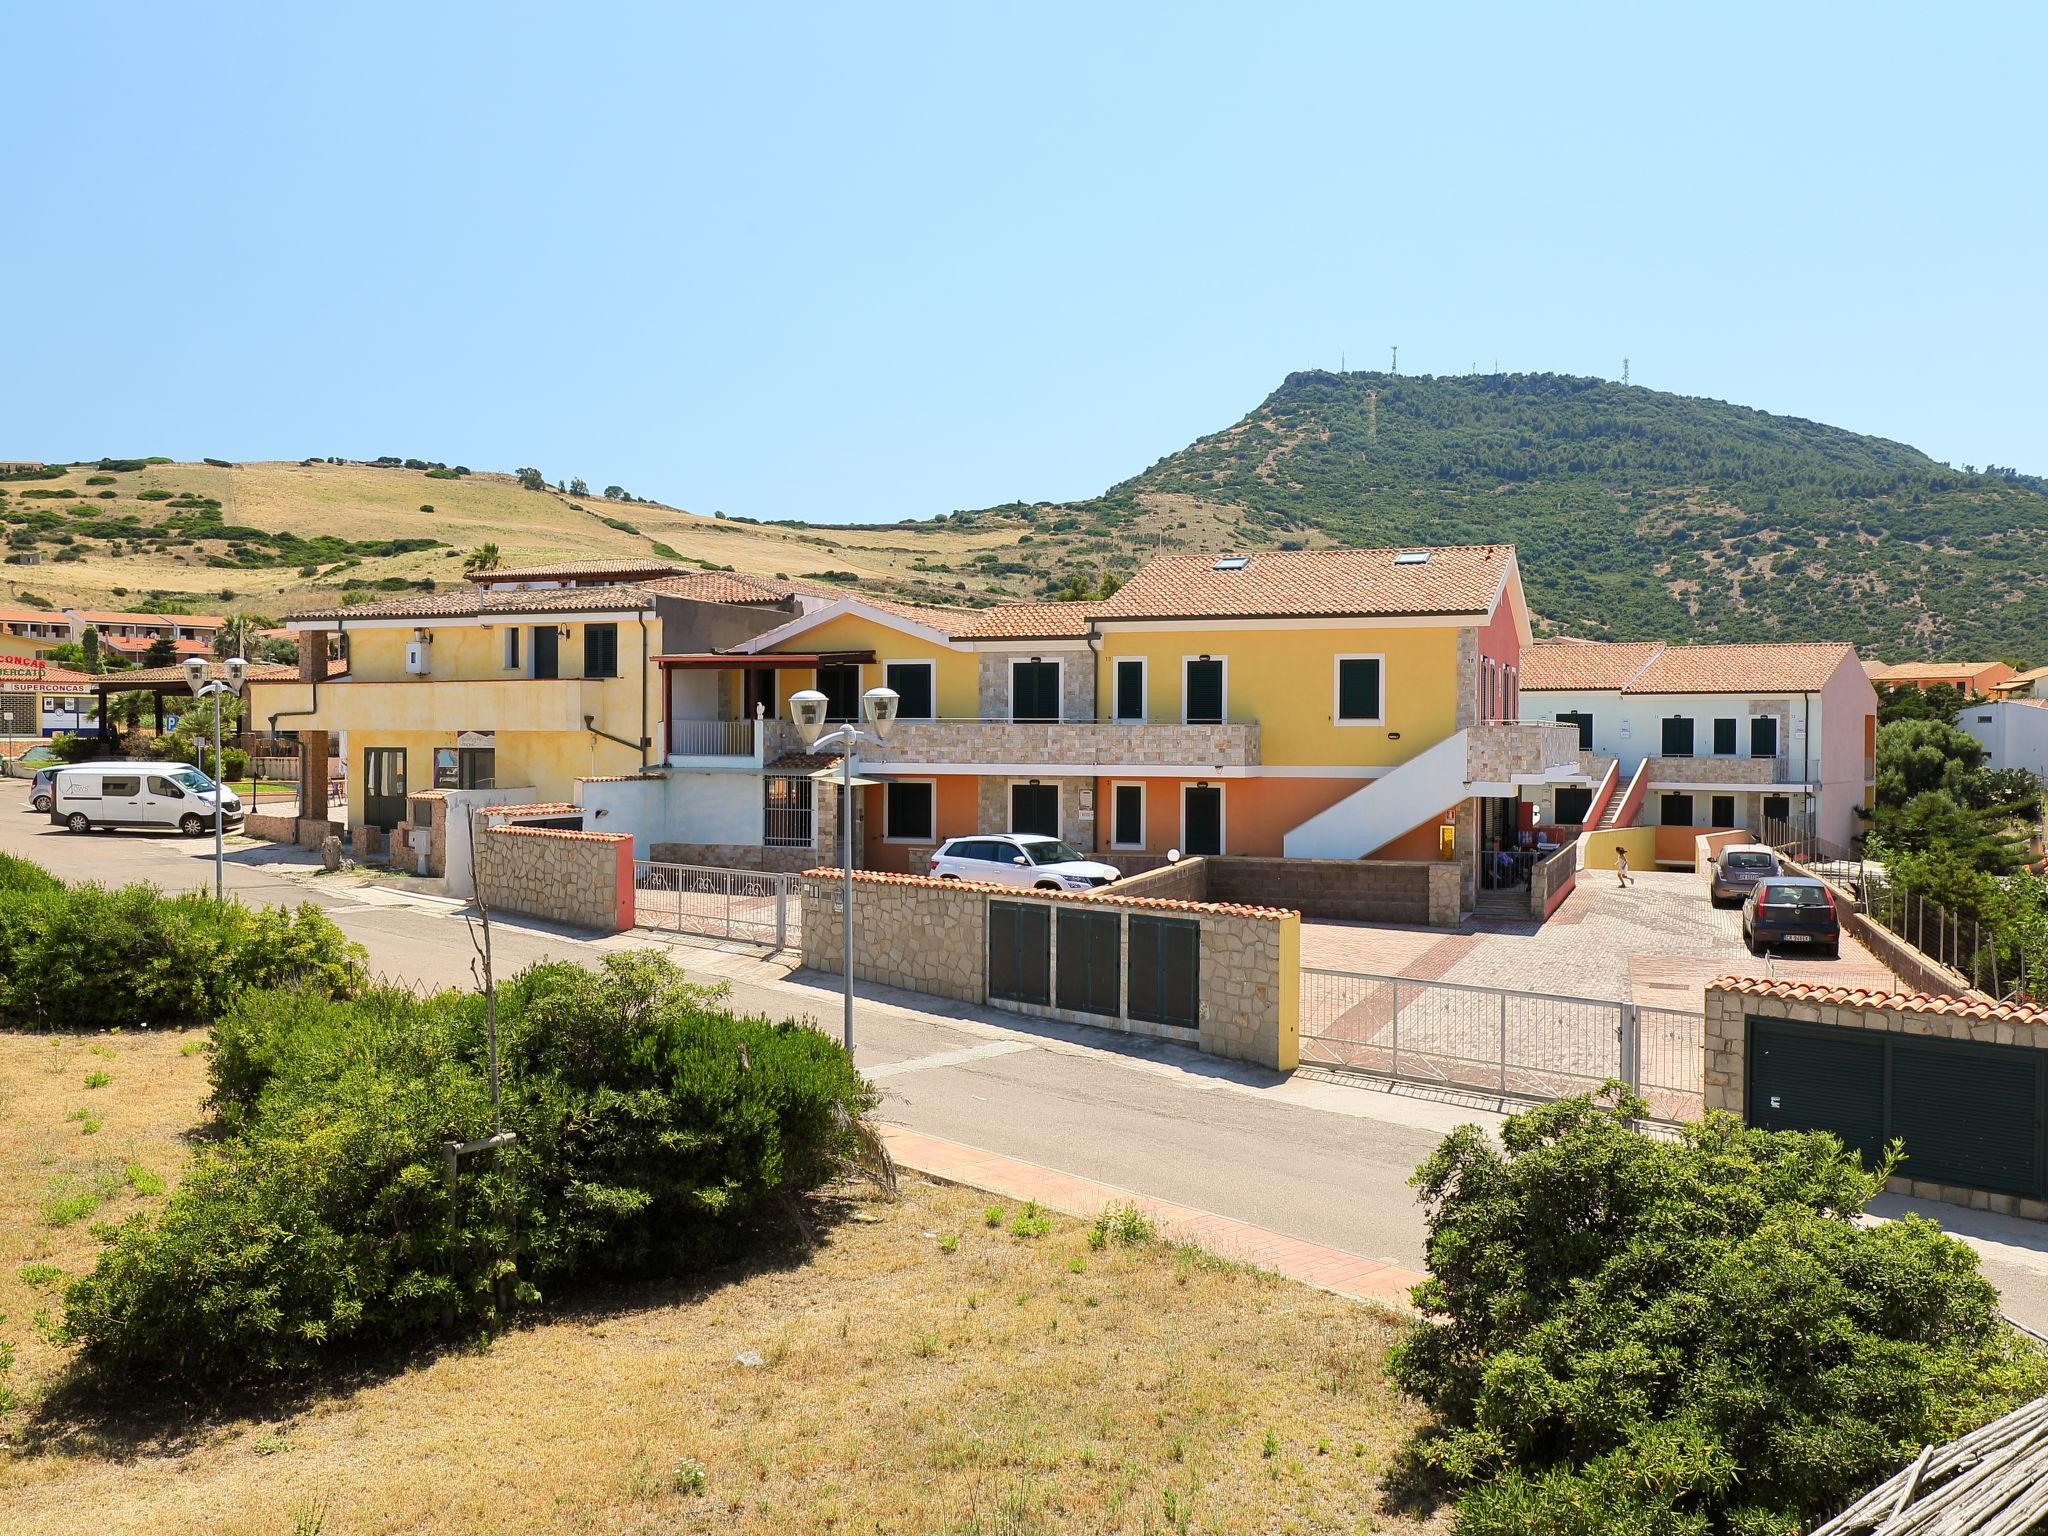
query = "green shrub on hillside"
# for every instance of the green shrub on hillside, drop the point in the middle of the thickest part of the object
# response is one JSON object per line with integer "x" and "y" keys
{"x": 653, "y": 1128}
{"x": 1627, "y": 1334}
{"x": 86, "y": 957}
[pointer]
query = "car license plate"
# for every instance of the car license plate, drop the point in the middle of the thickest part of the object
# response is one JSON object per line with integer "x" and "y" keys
{"x": 1798, "y": 938}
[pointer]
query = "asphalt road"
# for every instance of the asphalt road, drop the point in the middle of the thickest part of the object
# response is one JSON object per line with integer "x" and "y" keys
{"x": 1316, "y": 1159}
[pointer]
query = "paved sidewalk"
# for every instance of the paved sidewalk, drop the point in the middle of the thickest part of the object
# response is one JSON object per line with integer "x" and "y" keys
{"x": 1328, "y": 1269}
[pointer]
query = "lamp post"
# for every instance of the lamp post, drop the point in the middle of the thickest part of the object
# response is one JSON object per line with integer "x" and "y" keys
{"x": 807, "y": 708}
{"x": 237, "y": 670}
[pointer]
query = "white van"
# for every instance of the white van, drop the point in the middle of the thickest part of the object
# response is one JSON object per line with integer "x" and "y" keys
{"x": 141, "y": 795}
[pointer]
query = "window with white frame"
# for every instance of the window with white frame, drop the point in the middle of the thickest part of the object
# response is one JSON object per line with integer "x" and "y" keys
{"x": 1128, "y": 693}
{"x": 907, "y": 810}
{"x": 912, "y": 681}
{"x": 512, "y": 647}
{"x": 1360, "y": 690}
{"x": 1203, "y": 690}
{"x": 1127, "y": 815}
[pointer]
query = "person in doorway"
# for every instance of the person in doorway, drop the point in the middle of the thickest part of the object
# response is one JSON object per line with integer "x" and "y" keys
{"x": 1622, "y": 877}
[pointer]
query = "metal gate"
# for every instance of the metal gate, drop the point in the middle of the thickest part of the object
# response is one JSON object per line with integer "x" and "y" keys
{"x": 1970, "y": 1113}
{"x": 1529, "y": 1045}
{"x": 748, "y": 904}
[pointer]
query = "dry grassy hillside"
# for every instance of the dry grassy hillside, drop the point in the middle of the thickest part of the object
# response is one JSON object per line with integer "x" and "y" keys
{"x": 178, "y": 547}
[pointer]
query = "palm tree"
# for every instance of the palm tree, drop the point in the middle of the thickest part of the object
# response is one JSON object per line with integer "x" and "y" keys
{"x": 484, "y": 557}
{"x": 234, "y": 637}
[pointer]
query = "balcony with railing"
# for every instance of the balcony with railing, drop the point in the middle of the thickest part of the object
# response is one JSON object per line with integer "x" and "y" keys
{"x": 1052, "y": 744}
{"x": 1727, "y": 772}
{"x": 1045, "y": 745}
{"x": 721, "y": 742}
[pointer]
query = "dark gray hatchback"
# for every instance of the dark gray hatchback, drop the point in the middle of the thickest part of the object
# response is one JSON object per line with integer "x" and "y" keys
{"x": 1793, "y": 912}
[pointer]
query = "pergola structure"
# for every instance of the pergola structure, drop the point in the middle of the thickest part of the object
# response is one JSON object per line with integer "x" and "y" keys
{"x": 160, "y": 682}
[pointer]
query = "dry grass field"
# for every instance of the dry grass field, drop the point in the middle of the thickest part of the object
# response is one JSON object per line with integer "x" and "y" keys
{"x": 928, "y": 561}
{"x": 919, "y": 1370}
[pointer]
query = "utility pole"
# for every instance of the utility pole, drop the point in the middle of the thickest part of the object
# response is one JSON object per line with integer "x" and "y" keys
{"x": 1624, "y": 370}
{"x": 1396, "y": 368}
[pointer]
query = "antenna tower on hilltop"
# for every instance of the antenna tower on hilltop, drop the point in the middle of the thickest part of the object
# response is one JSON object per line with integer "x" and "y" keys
{"x": 1395, "y": 369}
{"x": 1624, "y": 370}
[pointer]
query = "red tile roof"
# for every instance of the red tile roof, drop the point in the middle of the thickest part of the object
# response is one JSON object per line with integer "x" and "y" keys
{"x": 109, "y": 616}
{"x": 1584, "y": 664}
{"x": 1654, "y": 667}
{"x": 729, "y": 587}
{"x": 480, "y": 602}
{"x": 1311, "y": 583}
{"x": 1935, "y": 671}
{"x": 1862, "y": 997}
{"x": 576, "y": 570}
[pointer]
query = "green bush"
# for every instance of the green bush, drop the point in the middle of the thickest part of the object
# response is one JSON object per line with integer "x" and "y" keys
{"x": 653, "y": 1130}
{"x": 86, "y": 957}
{"x": 19, "y": 876}
{"x": 1627, "y": 1334}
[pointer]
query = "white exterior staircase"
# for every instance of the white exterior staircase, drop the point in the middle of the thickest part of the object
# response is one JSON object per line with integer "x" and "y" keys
{"x": 1485, "y": 759}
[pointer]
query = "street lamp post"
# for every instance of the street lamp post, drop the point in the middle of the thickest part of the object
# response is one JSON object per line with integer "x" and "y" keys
{"x": 237, "y": 669}
{"x": 807, "y": 708}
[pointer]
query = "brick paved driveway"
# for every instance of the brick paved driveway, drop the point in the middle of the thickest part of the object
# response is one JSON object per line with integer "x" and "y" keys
{"x": 1657, "y": 943}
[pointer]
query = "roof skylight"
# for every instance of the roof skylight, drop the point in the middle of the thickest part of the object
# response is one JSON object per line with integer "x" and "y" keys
{"x": 1412, "y": 557}
{"x": 1231, "y": 562}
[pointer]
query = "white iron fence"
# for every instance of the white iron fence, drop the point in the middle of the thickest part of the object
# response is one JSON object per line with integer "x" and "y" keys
{"x": 711, "y": 738}
{"x": 1528, "y": 1045}
{"x": 745, "y": 904}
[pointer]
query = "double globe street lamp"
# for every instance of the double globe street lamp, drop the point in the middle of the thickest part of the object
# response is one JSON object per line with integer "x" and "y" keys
{"x": 236, "y": 669}
{"x": 807, "y": 709}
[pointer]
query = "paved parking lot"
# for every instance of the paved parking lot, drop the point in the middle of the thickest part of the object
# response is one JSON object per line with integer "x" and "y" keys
{"x": 1657, "y": 943}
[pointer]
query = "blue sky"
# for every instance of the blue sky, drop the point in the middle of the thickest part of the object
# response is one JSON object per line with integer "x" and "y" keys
{"x": 878, "y": 262}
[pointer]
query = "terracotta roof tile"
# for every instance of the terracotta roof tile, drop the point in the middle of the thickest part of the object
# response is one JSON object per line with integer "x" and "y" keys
{"x": 110, "y": 616}
{"x": 1933, "y": 671}
{"x": 135, "y": 677}
{"x": 1309, "y": 583}
{"x": 729, "y": 587}
{"x": 1584, "y": 664}
{"x": 1654, "y": 667}
{"x": 477, "y": 602}
{"x": 802, "y": 762}
{"x": 1863, "y": 997}
{"x": 1790, "y": 668}
{"x": 576, "y": 570}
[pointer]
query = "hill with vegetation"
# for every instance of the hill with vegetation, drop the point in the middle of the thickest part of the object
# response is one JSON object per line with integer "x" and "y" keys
{"x": 1638, "y": 515}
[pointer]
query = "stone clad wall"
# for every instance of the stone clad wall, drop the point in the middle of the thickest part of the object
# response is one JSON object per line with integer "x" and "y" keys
{"x": 1731, "y": 1002}
{"x": 582, "y": 879}
{"x": 931, "y": 936}
{"x": 1338, "y": 890}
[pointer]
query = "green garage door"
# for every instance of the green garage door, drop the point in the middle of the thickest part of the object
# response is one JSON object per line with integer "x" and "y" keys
{"x": 1971, "y": 1115}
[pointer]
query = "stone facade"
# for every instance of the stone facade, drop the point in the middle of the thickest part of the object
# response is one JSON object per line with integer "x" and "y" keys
{"x": 1496, "y": 751}
{"x": 782, "y": 861}
{"x": 1077, "y": 685}
{"x": 1468, "y": 677}
{"x": 1094, "y": 744}
{"x": 1077, "y": 808}
{"x": 581, "y": 879}
{"x": 1731, "y": 1002}
{"x": 1338, "y": 890}
{"x": 305, "y": 831}
{"x": 1717, "y": 772}
{"x": 931, "y": 936}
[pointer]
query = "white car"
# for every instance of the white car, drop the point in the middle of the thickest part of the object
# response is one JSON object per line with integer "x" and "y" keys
{"x": 1020, "y": 858}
